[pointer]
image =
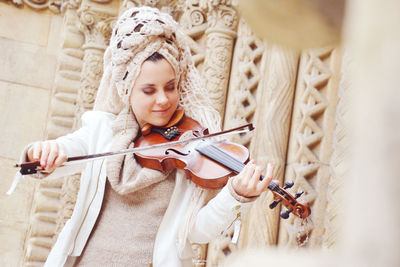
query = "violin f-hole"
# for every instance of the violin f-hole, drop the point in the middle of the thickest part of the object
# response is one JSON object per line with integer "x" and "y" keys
{"x": 176, "y": 151}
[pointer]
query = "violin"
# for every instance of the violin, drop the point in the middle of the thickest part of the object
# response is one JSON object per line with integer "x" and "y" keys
{"x": 209, "y": 164}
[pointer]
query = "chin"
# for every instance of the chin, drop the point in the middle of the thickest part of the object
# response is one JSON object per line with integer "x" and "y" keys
{"x": 159, "y": 123}
{"x": 160, "y": 120}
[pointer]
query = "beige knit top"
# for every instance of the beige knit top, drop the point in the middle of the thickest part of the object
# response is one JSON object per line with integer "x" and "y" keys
{"x": 125, "y": 231}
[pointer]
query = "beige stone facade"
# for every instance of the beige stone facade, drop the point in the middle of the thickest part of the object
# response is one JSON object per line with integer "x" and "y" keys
{"x": 29, "y": 45}
{"x": 298, "y": 100}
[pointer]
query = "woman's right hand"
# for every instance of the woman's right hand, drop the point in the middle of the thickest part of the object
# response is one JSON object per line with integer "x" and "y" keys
{"x": 50, "y": 154}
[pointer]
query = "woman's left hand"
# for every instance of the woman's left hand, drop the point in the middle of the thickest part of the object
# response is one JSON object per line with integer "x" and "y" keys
{"x": 247, "y": 183}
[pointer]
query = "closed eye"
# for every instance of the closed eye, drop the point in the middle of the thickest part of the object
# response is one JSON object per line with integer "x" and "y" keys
{"x": 170, "y": 86}
{"x": 148, "y": 90}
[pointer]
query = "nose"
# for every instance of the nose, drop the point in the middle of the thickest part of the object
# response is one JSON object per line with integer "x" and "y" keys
{"x": 162, "y": 98}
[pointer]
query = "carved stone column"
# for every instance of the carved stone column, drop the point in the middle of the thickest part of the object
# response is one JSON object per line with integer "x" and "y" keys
{"x": 67, "y": 80}
{"x": 339, "y": 162}
{"x": 221, "y": 33}
{"x": 310, "y": 145}
{"x": 245, "y": 82}
{"x": 96, "y": 26}
{"x": 270, "y": 140}
{"x": 261, "y": 91}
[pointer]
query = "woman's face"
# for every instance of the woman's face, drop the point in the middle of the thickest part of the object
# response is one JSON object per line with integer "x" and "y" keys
{"x": 154, "y": 97}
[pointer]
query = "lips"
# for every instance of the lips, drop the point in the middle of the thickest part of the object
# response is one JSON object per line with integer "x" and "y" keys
{"x": 161, "y": 110}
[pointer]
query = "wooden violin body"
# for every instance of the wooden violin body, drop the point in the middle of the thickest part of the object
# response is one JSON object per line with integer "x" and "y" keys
{"x": 198, "y": 168}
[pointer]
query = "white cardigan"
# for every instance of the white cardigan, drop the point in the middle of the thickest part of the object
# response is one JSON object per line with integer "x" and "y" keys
{"x": 95, "y": 137}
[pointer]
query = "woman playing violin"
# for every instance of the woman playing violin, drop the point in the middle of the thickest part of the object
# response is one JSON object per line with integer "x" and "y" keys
{"x": 126, "y": 214}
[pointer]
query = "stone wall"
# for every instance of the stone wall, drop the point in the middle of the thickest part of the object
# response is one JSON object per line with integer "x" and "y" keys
{"x": 29, "y": 45}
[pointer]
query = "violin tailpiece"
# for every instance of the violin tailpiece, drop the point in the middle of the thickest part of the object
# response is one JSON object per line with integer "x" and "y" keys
{"x": 168, "y": 133}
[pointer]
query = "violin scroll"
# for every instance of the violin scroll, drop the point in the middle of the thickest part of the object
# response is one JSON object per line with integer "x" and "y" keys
{"x": 290, "y": 202}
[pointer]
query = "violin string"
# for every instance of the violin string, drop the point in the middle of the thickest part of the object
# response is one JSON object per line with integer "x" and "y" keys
{"x": 232, "y": 163}
{"x": 226, "y": 160}
{"x": 236, "y": 165}
{"x": 208, "y": 151}
{"x": 239, "y": 166}
{"x": 223, "y": 158}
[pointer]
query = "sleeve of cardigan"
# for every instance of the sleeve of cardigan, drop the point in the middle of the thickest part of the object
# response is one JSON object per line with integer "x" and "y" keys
{"x": 74, "y": 144}
{"x": 218, "y": 214}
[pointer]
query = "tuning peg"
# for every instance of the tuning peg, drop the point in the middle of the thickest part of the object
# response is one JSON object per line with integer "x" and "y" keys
{"x": 298, "y": 194}
{"x": 288, "y": 184}
{"x": 285, "y": 214}
{"x": 274, "y": 204}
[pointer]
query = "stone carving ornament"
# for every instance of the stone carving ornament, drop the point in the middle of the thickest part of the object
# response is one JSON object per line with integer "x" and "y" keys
{"x": 244, "y": 83}
{"x": 194, "y": 23}
{"x": 269, "y": 144}
{"x": 56, "y": 6}
{"x": 96, "y": 26}
{"x": 310, "y": 144}
{"x": 339, "y": 160}
{"x": 221, "y": 32}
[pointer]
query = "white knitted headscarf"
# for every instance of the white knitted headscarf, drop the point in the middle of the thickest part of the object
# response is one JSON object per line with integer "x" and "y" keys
{"x": 138, "y": 33}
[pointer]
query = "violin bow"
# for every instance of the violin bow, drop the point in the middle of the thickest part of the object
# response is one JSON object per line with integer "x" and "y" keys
{"x": 280, "y": 194}
{"x": 27, "y": 168}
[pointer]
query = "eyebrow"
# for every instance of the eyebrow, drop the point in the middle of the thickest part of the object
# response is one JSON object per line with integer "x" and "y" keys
{"x": 152, "y": 84}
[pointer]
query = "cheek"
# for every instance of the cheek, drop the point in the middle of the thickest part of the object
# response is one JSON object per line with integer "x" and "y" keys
{"x": 175, "y": 99}
{"x": 140, "y": 104}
